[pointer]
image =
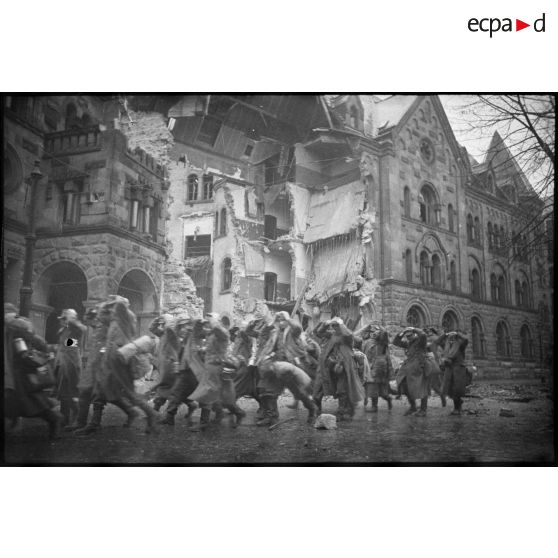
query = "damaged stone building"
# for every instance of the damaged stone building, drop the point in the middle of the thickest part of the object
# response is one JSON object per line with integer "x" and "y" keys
{"x": 101, "y": 208}
{"x": 355, "y": 206}
{"x": 361, "y": 207}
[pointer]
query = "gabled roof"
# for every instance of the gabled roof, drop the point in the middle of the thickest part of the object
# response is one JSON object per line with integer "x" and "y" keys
{"x": 391, "y": 111}
{"x": 498, "y": 146}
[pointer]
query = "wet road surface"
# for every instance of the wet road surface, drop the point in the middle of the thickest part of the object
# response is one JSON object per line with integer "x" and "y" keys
{"x": 479, "y": 435}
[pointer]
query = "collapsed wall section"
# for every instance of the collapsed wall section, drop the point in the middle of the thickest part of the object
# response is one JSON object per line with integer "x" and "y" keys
{"x": 148, "y": 131}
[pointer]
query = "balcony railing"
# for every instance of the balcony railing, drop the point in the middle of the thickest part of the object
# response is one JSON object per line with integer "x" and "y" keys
{"x": 72, "y": 141}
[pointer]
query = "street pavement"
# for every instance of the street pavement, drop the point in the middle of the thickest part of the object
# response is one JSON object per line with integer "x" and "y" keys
{"x": 480, "y": 435}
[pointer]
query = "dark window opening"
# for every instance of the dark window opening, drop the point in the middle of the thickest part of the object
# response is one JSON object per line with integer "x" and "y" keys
{"x": 197, "y": 245}
{"x": 192, "y": 194}
{"x": 526, "y": 342}
{"x": 475, "y": 284}
{"x": 450, "y": 322}
{"x": 270, "y": 286}
{"x": 207, "y": 186}
{"x": 477, "y": 338}
{"x": 248, "y": 150}
{"x": 226, "y": 282}
{"x": 502, "y": 340}
{"x": 436, "y": 271}
{"x": 270, "y": 227}
{"x": 415, "y": 317}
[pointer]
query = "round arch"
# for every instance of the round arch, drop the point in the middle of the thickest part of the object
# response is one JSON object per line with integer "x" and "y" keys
{"x": 13, "y": 170}
{"x": 458, "y": 315}
{"x": 139, "y": 289}
{"x": 61, "y": 285}
{"x": 418, "y": 304}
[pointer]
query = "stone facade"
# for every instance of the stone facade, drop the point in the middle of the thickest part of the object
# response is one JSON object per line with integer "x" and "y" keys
{"x": 101, "y": 208}
{"x": 399, "y": 190}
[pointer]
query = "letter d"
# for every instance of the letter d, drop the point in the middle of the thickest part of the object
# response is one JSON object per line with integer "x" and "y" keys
{"x": 541, "y": 30}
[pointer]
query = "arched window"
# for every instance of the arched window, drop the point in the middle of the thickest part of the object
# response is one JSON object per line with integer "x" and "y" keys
{"x": 518, "y": 294}
{"x": 451, "y": 225}
{"x": 450, "y": 321}
{"x": 226, "y": 282}
{"x": 270, "y": 227}
{"x": 406, "y": 201}
{"x": 85, "y": 120}
{"x": 207, "y": 182}
{"x": 192, "y": 194}
{"x": 477, "y": 231}
{"x": 436, "y": 271}
{"x": 476, "y": 284}
{"x": 434, "y": 122}
{"x": 526, "y": 294}
{"x": 526, "y": 342}
{"x": 470, "y": 229}
{"x": 424, "y": 268}
{"x": 502, "y": 239}
{"x": 544, "y": 312}
{"x": 427, "y": 205}
{"x": 502, "y": 290}
{"x": 515, "y": 249}
{"x": 490, "y": 236}
{"x": 453, "y": 277}
{"x": 408, "y": 266}
{"x": 493, "y": 287}
{"x": 502, "y": 339}
{"x": 496, "y": 238}
{"x": 477, "y": 337}
{"x": 415, "y": 317}
{"x": 223, "y": 222}
{"x": 270, "y": 286}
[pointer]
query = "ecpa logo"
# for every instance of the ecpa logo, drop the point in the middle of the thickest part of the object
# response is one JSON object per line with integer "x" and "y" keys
{"x": 494, "y": 24}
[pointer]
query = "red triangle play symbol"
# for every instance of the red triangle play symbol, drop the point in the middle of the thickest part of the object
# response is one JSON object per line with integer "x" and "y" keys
{"x": 519, "y": 25}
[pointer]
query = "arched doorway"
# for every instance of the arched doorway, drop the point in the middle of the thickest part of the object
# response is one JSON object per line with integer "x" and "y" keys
{"x": 138, "y": 288}
{"x": 62, "y": 285}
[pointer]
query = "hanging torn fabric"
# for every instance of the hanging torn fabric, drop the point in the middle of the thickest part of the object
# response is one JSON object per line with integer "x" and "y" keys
{"x": 334, "y": 212}
{"x": 300, "y": 202}
{"x": 330, "y": 280}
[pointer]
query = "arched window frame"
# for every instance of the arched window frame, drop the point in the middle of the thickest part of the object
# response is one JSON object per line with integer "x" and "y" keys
{"x": 503, "y": 340}
{"x": 436, "y": 272}
{"x": 415, "y": 316}
{"x": 424, "y": 268}
{"x": 429, "y": 209}
{"x": 477, "y": 337}
{"x": 477, "y": 230}
{"x": 470, "y": 229}
{"x": 526, "y": 341}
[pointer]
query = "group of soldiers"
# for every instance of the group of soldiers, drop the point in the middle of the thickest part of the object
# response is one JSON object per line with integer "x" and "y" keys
{"x": 204, "y": 364}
